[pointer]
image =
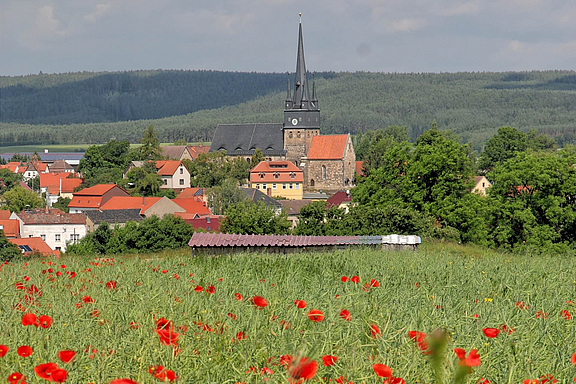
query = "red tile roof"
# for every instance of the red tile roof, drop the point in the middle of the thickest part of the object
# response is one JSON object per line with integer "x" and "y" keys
{"x": 189, "y": 193}
{"x": 167, "y": 167}
{"x": 195, "y": 150}
{"x": 52, "y": 182}
{"x": 11, "y": 227}
{"x": 24, "y": 185}
{"x": 265, "y": 170}
{"x": 338, "y": 198}
{"x": 172, "y": 151}
{"x": 51, "y": 216}
{"x": 328, "y": 147}
{"x": 36, "y": 244}
{"x": 97, "y": 190}
{"x": 5, "y": 214}
{"x": 11, "y": 166}
{"x": 360, "y": 168}
{"x": 130, "y": 202}
{"x": 209, "y": 223}
{"x": 85, "y": 201}
{"x": 194, "y": 206}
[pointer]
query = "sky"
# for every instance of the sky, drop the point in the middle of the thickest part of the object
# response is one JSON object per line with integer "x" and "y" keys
{"x": 55, "y": 36}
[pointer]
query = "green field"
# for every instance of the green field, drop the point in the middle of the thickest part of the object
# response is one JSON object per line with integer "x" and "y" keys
{"x": 459, "y": 289}
{"x": 63, "y": 148}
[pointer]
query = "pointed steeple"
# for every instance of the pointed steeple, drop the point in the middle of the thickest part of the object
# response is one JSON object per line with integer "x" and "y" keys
{"x": 301, "y": 91}
{"x": 314, "y": 101}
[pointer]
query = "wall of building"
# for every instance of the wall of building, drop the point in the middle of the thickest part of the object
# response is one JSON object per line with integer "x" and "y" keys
{"x": 173, "y": 181}
{"x": 349, "y": 163}
{"x": 281, "y": 190}
{"x": 50, "y": 232}
{"x": 297, "y": 142}
{"x": 116, "y": 191}
{"x": 164, "y": 206}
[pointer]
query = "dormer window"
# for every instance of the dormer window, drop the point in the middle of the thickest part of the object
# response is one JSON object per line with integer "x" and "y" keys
{"x": 292, "y": 175}
{"x": 276, "y": 175}
{"x": 261, "y": 174}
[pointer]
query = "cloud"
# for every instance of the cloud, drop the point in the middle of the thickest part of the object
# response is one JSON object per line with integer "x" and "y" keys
{"x": 101, "y": 10}
{"x": 468, "y": 8}
{"x": 208, "y": 22}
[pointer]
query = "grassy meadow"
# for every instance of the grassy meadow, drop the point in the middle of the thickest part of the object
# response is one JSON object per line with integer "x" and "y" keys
{"x": 460, "y": 289}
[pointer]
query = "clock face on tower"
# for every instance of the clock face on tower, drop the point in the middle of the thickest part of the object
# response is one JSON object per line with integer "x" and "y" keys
{"x": 294, "y": 121}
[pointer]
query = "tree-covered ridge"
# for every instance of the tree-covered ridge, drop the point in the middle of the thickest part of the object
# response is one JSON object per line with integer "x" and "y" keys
{"x": 473, "y": 105}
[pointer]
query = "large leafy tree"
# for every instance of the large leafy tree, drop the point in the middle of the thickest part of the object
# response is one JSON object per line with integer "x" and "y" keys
{"x": 19, "y": 198}
{"x": 105, "y": 163}
{"x": 8, "y": 179}
{"x": 8, "y": 251}
{"x": 249, "y": 218}
{"x": 222, "y": 196}
{"x": 150, "y": 149}
{"x": 502, "y": 146}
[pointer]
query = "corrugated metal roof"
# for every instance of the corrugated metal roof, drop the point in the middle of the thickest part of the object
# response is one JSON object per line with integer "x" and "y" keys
{"x": 235, "y": 240}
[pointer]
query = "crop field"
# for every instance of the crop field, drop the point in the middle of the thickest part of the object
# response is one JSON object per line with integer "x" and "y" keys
{"x": 444, "y": 314}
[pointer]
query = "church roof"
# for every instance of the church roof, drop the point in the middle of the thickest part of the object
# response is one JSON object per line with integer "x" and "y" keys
{"x": 244, "y": 139}
{"x": 331, "y": 147}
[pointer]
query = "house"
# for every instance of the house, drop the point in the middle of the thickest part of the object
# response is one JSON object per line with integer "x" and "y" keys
{"x": 195, "y": 206}
{"x": 256, "y": 197}
{"x": 331, "y": 163}
{"x": 93, "y": 198}
{"x": 114, "y": 217}
{"x": 5, "y": 214}
{"x": 481, "y": 183}
{"x": 341, "y": 199}
{"x": 173, "y": 173}
{"x": 195, "y": 151}
{"x": 190, "y": 193}
{"x": 292, "y": 209}
{"x": 278, "y": 179}
{"x": 11, "y": 228}
{"x": 13, "y": 166}
{"x": 315, "y": 196}
{"x": 181, "y": 152}
{"x": 60, "y": 166}
{"x": 53, "y": 226}
{"x": 148, "y": 206}
{"x": 209, "y": 223}
{"x": 30, "y": 245}
{"x": 57, "y": 185}
{"x": 34, "y": 169}
{"x": 359, "y": 168}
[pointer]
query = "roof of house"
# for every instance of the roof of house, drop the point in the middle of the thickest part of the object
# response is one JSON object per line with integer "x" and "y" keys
{"x": 52, "y": 182}
{"x": 244, "y": 139}
{"x": 167, "y": 167}
{"x": 276, "y": 171}
{"x": 85, "y": 201}
{"x": 130, "y": 202}
{"x": 293, "y": 207}
{"x": 60, "y": 165}
{"x": 24, "y": 185}
{"x": 33, "y": 244}
{"x": 97, "y": 190}
{"x": 12, "y": 166}
{"x": 209, "y": 223}
{"x": 5, "y": 214}
{"x": 338, "y": 198}
{"x": 50, "y": 216}
{"x": 331, "y": 147}
{"x": 256, "y": 196}
{"x": 478, "y": 179}
{"x": 189, "y": 193}
{"x": 195, "y": 205}
{"x": 11, "y": 227}
{"x": 360, "y": 167}
{"x": 114, "y": 216}
{"x": 172, "y": 151}
{"x": 315, "y": 196}
{"x": 195, "y": 150}
{"x": 37, "y": 166}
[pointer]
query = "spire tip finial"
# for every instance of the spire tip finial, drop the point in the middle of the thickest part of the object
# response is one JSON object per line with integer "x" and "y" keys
{"x": 300, "y": 14}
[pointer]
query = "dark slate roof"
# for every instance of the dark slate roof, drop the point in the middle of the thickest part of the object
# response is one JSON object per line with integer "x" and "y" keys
{"x": 256, "y": 196}
{"x": 243, "y": 139}
{"x": 114, "y": 216}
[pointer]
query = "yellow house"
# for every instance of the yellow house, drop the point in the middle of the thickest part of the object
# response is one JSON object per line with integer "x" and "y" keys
{"x": 481, "y": 184}
{"x": 278, "y": 179}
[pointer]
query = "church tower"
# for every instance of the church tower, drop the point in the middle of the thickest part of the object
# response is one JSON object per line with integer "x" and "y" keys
{"x": 301, "y": 113}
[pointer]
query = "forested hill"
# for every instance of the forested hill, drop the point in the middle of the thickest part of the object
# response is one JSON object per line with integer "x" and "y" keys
{"x": 93, "y": 107}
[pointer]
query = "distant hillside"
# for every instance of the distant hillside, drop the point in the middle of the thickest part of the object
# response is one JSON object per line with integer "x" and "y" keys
{"x": 89, "y": 107}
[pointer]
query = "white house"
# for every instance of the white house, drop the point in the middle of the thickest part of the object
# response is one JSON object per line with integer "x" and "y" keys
{"x": 53, "y": 226}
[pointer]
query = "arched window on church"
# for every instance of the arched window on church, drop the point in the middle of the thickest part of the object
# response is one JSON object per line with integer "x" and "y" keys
{"x": 323, "y": 172}
{"x": 311, "y": 182}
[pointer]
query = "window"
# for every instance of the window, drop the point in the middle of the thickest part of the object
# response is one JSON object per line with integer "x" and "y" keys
{"x": 257, "y": 186}
{"x": 181, "y": 181}
{"x": 298, "y": 134}
{"x": 274, "y": 186}
{"x": 57, "y": 237}
{"x": 181, "y": 170}
{"x": 323, "y": 172}
{"x": 291, "y": 186}
{"x": 264, "y": 186}
{"x": 208, "y": 220}
{"x": 311, "y": 182}
{"x": 165, "y": 182}
{"x": 483, "y": 185}
{"x": 58, "y": 249}
{"x": 297, "y": 185}
{"x": 283, "y": 185}
{"x": 292, "y": 175}
{"x": 74, "y": 236}
{"x": 43, "y": 237}
{"x": 30, "y": 235}
{"x": 208, "y": 228}
{"x": 261, "y": 174}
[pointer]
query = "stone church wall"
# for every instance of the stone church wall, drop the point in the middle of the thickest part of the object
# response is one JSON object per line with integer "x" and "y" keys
{"x": 334, "y": 175}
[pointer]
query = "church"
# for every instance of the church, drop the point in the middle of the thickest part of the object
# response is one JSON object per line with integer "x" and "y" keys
{"x": 327, "y": 161}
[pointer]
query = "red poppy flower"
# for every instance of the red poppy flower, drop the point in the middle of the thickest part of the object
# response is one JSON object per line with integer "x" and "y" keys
{"x": 565, "y": 314}
{"x": 45, "y": 321}
{"x": 574, "y": 358}
{"x": 316, "y": 315}
{"x": 305, "y": 369}
{"x": 286, "y": 360}
{"x": 382, "y": 370}
{"x": 547, "y": 379}
{"x": 66, "y": 356}
{"x": 123, "y": 381}
{"x": 198, "y": 289}
{"x": 3, "y": 350}
{"x": 112, "y": 284}
{"x": 374, "y": 283}
{"x": 29, "y": 319}
{"x": 375, "y": 331}
{"x": 328, "y": 360}
{"x": 16, "y": 378}
{"x": 59, "y": 376}
{"x": 44, "y": 371}
{"x": 87, "y": 299}
{"x": 345, "y": 315}
{"x": 240, "y": 336}
{"x": 24, "y": 351}
{"x": 507, "y": 329}
{"x": 521, "y": 305}
{"x": 300, "y": 304}
{"x": 420, "y": 339}
{"x": 238, "y": 296}
{"x": 211, "y": 289}
{"x": 491, "y": 332}
{"x": 259, "y": 301}
{"x": 483, "y": 381}
{"x": 345, "y": 279}
{"x": 355, "y": 279}
{"x": 541, "y": 315}
{"x": 394, "y": 380}
{"x": 473, "y": 359}
{"x": 533, "y": 381}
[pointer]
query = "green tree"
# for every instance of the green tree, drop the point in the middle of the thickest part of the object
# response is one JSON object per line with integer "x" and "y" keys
{"x": 501, "y": 147}
{"x": 150, "y": 149}
{"x": 222, "y": 196}
{"x": 62, "y": 204}
{"x": 9, "y": 179}
{"x": 249, "y": 218}
{"x": 256, "y": 158}
{"x": 19, "y": 198}
{"x": 539, "y": 142}
{"x": 311, "y": 219}
{"x": 8, "y": 251}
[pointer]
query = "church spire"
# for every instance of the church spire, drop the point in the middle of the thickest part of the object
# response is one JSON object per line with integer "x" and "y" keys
{"x": 301, "y": 91}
